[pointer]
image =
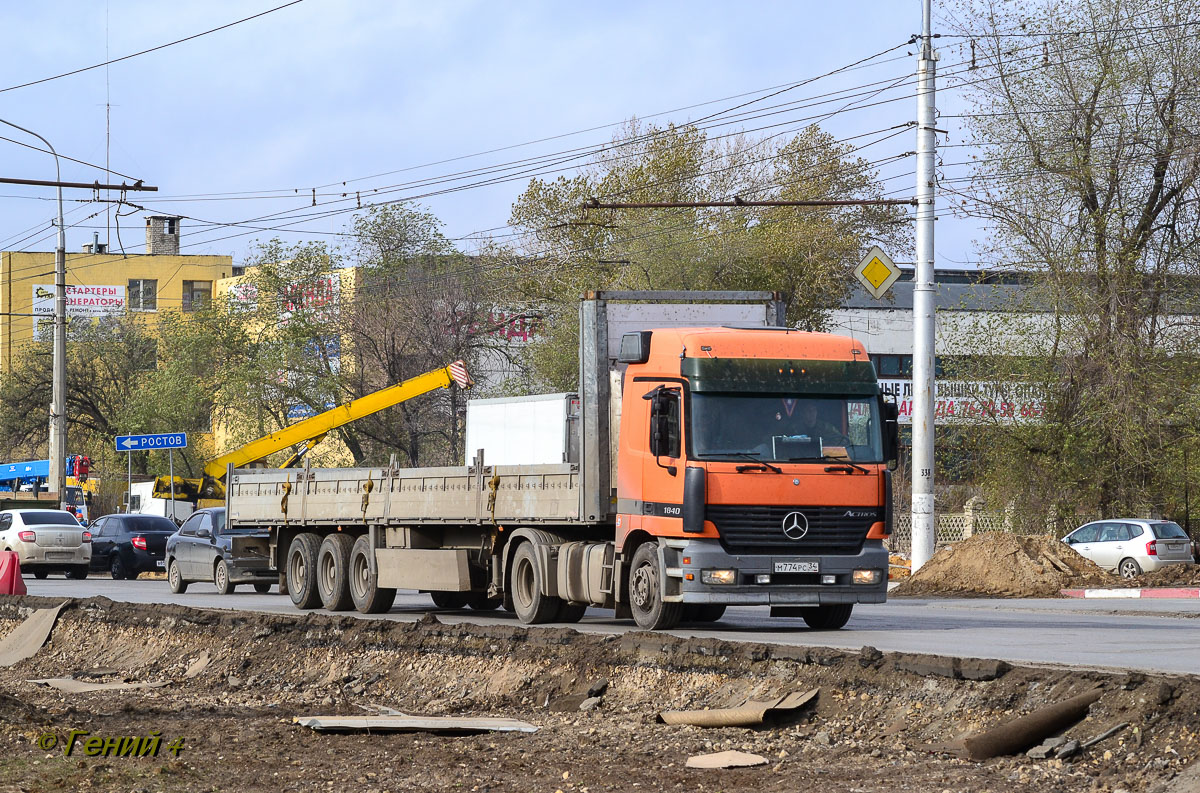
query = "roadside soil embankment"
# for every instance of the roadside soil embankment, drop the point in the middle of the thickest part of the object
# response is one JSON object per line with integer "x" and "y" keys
{"x": 236, "y": 679}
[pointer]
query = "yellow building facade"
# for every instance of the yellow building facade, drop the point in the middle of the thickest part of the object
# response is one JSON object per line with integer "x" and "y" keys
{"x": 103, "y": 284}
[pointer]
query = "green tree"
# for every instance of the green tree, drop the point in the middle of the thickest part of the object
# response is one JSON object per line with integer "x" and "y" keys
{"x": 804, "y": 252}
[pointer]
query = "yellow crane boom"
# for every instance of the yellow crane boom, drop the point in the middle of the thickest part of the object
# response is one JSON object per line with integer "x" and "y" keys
{"x": 310, "y": 432}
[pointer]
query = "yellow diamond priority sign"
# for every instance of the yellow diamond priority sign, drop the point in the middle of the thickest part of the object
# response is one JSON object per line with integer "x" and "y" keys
{"x": 877, "y": 272}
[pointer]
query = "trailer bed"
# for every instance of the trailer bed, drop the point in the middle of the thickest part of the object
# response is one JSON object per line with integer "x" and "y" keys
{"x": 456, "y": 495}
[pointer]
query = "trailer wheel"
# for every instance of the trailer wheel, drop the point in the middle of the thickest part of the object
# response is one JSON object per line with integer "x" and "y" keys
{"x": 533, "y": 607}
{"x": 302, "y": 570}
{"x": 333, "y": 572}
{"x": 368, "y": 596}
{"x": 827, "y": 618}
{"x": 645, "y": 592}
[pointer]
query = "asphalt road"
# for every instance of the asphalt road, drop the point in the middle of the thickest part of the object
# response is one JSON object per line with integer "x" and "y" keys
{"x": 1144, "y": 635}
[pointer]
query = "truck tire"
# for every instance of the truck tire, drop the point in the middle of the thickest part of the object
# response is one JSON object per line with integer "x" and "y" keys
{"x": 302, "y": 571}
{"x": 478, "y": 601}
{"x": 532, "y": 606}
{"x": 451, "y": 601}
{"x": 828, "y": 618}
{"x": 333, "y": 572}
{"x": 570, "y": 612}
{"x": 368, "y": 596}
{"x": 703, "y": 612}
{"x": 645, "y": 592}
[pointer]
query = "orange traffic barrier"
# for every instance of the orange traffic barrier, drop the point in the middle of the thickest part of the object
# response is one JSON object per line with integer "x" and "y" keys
{"x": 10, "y": 574}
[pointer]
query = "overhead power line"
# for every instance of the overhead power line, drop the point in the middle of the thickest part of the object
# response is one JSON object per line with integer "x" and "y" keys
{"x": 152, "y": 49}
{"x": 738, "y": 202}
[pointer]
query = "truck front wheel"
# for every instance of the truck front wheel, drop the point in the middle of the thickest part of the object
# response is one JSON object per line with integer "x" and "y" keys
{"x": 532, "y": 606}
{"x": 302, "y": 570}
{"x": 368, "y": 596}
{"x": 645, "y": 592}
{"x": 333, "y": 572}
{"x": 829, "y": 617}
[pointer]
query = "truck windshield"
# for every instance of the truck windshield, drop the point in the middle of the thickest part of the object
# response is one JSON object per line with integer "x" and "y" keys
{"x": 784, "y": 428}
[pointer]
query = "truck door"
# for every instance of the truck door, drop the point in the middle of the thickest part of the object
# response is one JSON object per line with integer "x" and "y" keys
{"x": 663, "y": 463}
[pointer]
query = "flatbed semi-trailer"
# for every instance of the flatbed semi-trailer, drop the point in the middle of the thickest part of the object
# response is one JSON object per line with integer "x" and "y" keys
{"x": 711, "y": 457}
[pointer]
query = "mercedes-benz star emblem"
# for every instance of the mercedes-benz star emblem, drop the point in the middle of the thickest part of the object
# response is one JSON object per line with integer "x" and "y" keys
{"x": 795, "y": 526}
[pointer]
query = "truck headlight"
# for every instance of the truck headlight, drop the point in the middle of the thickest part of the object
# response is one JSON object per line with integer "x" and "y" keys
{"x": 718, "y": 576}
{"x": 866, "y": 577}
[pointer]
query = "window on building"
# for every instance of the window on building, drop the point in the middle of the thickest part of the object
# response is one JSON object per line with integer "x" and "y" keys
{"x": 196, "y": 295}
{"x": 143, "y": 294}
{"x": 901, "y": 366}
{"x": 171, "y": 225}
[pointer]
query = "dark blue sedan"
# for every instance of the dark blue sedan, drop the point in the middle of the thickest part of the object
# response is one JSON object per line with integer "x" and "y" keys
{"x": 204, "y": 549}
{"x": 128, "y": 545}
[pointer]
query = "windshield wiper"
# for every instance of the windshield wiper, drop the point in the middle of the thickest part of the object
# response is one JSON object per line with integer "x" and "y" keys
{"x": 842, "y": 465}
{"x": 760, "y": 464}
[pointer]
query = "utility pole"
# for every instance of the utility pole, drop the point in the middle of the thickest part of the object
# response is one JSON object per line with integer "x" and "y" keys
{"x": 924, "y": 523}
{"x": 58, "y": 394}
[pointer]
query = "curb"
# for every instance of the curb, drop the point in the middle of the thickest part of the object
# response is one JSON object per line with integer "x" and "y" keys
{"x": 1148, "y": 592}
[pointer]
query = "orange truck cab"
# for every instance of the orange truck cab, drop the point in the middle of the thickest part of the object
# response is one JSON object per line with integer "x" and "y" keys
{"x": 752, "y": 469}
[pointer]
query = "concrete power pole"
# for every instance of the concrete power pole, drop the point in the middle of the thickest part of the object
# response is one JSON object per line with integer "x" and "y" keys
{"x": 924, "y": 525}
{"x": 58, "y": 395}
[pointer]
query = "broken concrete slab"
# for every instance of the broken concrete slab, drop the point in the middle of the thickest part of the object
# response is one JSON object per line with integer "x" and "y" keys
{"x": 28, "y": 637}
{"x": 405, "y": 723}
{"x": 591, "y": 703}
{"x": 746, "y": 715}
{"x": 726, "y": 760}
{"x": 197, "y": 666}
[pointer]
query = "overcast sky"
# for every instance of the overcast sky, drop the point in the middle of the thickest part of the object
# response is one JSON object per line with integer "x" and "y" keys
{"x": 335, "y": 90}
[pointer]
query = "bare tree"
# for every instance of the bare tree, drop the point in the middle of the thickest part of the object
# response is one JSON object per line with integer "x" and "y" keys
{"x": 1086, "y": 114}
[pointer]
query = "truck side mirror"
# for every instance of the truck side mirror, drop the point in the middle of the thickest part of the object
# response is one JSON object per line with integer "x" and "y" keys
{"x": 664, "y": 424}
{"x": 891, "y": 431}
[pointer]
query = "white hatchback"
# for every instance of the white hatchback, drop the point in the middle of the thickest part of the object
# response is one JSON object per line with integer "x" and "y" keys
{"x": 46, "y": 540}
{"x": 1132, "y": 547}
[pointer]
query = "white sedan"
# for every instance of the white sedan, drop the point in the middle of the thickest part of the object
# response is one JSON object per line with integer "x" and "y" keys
{"x": 1132, "y": 547}
{"x": 46, "y": 540}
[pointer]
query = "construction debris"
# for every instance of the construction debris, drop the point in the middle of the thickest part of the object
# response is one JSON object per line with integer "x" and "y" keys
{"x": 1090, "y": 742}
{"x": 746, "y": 715}
{"x": 73, "y": 686}
{"x": 405, "y": 723}
{"x": 726, "y": 760}
{"x": 28, "y": 637}
{"x": 1020, "y": 734}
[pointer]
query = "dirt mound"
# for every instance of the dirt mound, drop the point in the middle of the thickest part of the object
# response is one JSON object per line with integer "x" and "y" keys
{"x": 1010, "y": 565}
{"x": 1175, "y": 575}
{"x": 870, "y": 728}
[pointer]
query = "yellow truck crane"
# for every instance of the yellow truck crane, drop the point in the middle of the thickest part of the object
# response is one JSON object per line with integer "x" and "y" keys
{"x": 306, "y": 434}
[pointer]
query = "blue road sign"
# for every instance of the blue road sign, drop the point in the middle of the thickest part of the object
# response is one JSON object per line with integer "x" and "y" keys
{"x": 143, "y": 443}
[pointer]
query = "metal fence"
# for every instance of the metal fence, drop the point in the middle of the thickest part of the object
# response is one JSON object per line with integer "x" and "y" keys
{"x": 956, "y": 526}
{"x": 951, "y": 527}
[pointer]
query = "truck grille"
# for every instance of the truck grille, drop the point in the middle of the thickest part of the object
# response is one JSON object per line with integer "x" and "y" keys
{"x": 756, "y": 529}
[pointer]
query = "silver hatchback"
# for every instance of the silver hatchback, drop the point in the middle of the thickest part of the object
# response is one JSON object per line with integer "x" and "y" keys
{"x": 46, "y": 540}
{"x": 1132, "y": 547}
